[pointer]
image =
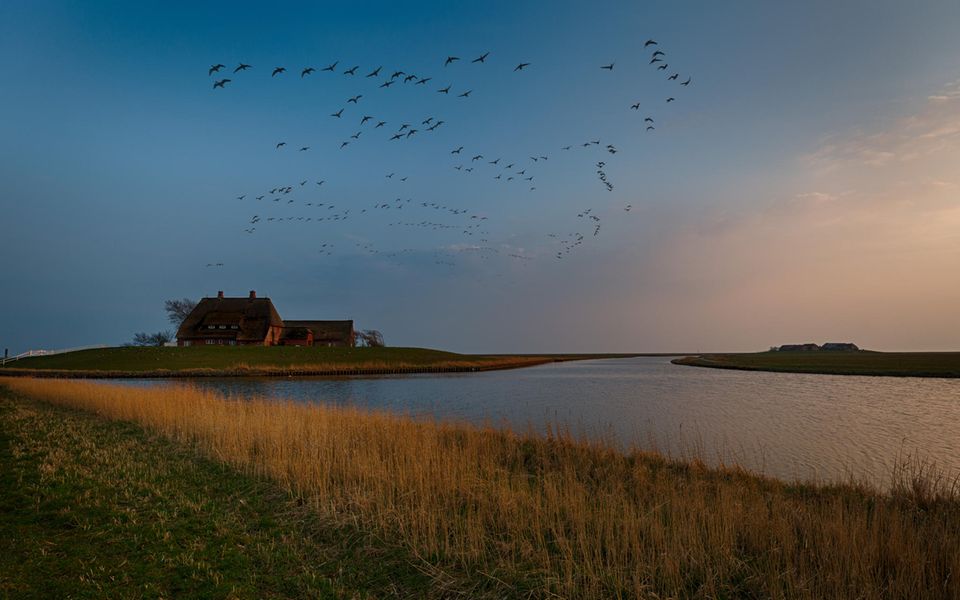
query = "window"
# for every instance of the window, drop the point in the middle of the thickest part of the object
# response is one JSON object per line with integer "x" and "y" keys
{"x": 211, "y": 342}
{"x": 233, "y": 327}
{"x": 223, "y": 326}
{"x": 211, "y": 326}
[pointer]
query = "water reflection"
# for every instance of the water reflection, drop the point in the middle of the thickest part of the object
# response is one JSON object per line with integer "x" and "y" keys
{"x": 786, "y": 425}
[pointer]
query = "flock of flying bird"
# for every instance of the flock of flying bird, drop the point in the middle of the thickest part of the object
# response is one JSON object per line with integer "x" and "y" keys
{"x": 464, "y": 221}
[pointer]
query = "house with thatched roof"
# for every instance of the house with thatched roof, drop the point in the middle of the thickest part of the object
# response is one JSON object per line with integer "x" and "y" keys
{"x": 320, "y": 333}
{"x": 224, "y": 321}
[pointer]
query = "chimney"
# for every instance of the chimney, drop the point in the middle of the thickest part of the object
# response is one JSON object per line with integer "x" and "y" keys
{"x": 253, "y": 294}
{"x": 220, "y": 294}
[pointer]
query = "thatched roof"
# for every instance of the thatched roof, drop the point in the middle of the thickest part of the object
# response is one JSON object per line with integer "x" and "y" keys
{"x": 325, "y": 331}
{"x": 250, "y": 318}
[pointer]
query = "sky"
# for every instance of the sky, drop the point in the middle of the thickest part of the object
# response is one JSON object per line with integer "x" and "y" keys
{"x": 805, "y": 186}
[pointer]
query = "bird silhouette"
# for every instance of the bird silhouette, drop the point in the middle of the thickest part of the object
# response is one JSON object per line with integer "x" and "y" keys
{"x": 423, "y": 80}
{"x": 466, "y": 94}
{"x": 521, "y": 67}
{"x": 396, "y": 136}
{"x": 457, "y": 151}
{"x": 476, "y": 158}
{"x": 277, "y": 71}
{"x": 650, "y": 43}
{"x": 352, "y": 71}
{"x": 304, "y": 148}
{"x": 650, "y": 127}
{"x": 306, "y": 72}
{"x": 380, "y": 124}
{"x": 221, "y": 83}
{"x": 658, "y": 53}
{"x": 375, "y": 72}
{"x": 386, "y": 84}
{"x": 451, "y": 59}
{"x": 655, "y": 59}
{"x": 409, "y": 78}
{"x": 608, "y": 67}
{"x": 281, "y": 145}
{"x": 445, "y": 90}
{"x": 344, "y": 145}
{"x": 242, "y": 67}
{"x": 635, "y": 106}
{"x": 214, "y": 69}
{"x": 687, "y": 82}
{"x": 365, "y": 119}
{"x": 356, "y": 136}
{"x": 481, "y": 58}
{"x": 331, "y": 68}
{"x": 355, "y": 99}
{"x": 337, "y": 114}
{"x": 673, "y": 77}
{"x": 663, "y": 67}
{"x": 671, "y": 99}
{"x": 397, "y": 74}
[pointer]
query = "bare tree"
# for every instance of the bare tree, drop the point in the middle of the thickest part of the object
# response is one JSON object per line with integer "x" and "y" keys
{"x": 177, "y": 310}
{"x": 370, "y": 338}
{"x": 152, "y": 339}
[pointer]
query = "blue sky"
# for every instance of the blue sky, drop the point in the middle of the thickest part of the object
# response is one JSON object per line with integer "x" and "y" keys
{"x": 801, "y": 188}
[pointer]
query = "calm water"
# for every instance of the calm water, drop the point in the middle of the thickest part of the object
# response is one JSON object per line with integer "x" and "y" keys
{"x": 786, "y": 425}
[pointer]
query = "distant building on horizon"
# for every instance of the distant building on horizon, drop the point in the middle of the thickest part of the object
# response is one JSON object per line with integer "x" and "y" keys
{"x": 811, "y": 347}
{"x": 253, "y": 321}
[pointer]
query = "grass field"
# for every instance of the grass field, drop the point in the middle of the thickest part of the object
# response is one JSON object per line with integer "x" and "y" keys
{"x": 259, "y": 360}
{"x": 894, "y": 364}
{"x": 499, "y": 514}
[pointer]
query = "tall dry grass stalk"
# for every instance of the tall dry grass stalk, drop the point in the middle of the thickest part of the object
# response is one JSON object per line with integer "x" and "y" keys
{"x": 581, "y": 520}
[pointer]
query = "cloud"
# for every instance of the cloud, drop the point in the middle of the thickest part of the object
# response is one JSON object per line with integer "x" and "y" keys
{"x": 932, "y": 129}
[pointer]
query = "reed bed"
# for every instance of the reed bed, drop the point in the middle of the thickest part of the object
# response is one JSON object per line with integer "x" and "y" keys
{"x": 577, "y": 519}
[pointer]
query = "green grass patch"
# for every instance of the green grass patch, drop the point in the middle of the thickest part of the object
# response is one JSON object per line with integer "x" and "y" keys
{"x": 224, "y": 357}
{"x": 895, "y": 364}
{"x": 91, "y": 508}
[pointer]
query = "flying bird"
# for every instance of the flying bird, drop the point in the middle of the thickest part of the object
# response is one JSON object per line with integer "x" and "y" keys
{"x": 635, "y": 106}
{"x": 365, "y": 119}
{"x": 352, "y": 71}
{"x": 608, "y": 67}
{"x": 648, "y": 120}
{"x": 649, "y": 43}
{"x": 344, "y": 145}
{"x": 306, "y": 72}
{"x": 409, "y": 78}
{"x": 242, "y": 67}
{"x": 658, "y": 53}
{"x": 424, "y": 80}
{"x": 304, "y": 149}
{"x": 397, "y": 74}
{"x": 380, "y": 124}
{"x": 331, "y": 67}
{"x": 663, "y": 67}
{"x": 687, "y": 82}
{"x": 673, "y": 77}
{"x": 650, "y": 127}
{"x": 445, "y": 90}
{"x": 278, "y": 70}
{"x": 375, "y": 72}
{"x": 397, "y": 136}
{"x": 221, "y": 83}
{"x": 466, "y": 94}
{"x": 481, "y": 58}
{"x": 521, "y": 66}
{"x": 457, "y": 151}
{"x": 671, "y": 99}
{"x": 214, "y": 69}
{"x": 451, "y": 59}
{"x": 355, "y": 98}
{"x": 281, "y": 145}
{"x": 386, "y": 84}
{"x": 337, "y": 114}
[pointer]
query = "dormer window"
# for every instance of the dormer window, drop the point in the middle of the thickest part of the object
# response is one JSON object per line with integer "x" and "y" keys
{"x": 211, "y": 326}
{"x": 223, "y": 326}
{"x": 233, "y": 327}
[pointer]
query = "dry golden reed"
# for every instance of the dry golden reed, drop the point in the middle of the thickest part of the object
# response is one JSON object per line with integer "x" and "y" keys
{"x": 579, "y": 519}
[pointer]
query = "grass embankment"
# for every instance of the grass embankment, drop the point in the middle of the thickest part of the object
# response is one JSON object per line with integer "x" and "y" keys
{"x": 91, "y": 508}
{"x": 891, "y": 364}
{"x": 200, "y": 361}
{"x": 535, "y": 516}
